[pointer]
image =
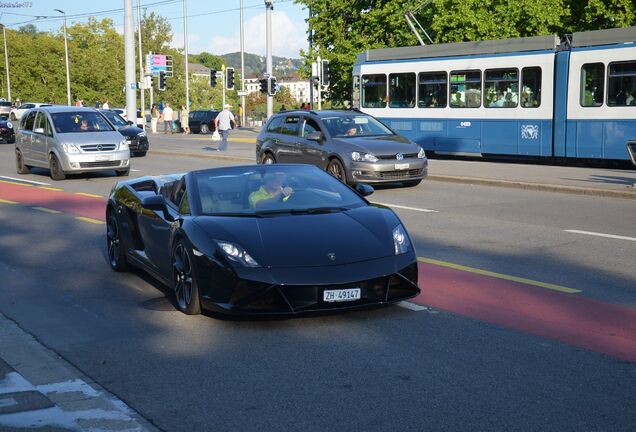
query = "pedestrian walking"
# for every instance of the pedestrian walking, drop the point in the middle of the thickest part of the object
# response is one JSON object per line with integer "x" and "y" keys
{"x": 154, "y": 118}
{"x": 223, "y": 123}
{"x": 239, "y": 114}
{"x": 78, "y": 103}
{"x": 184, "y": 120}
{"x": 167, "y": 119}
{"x": 282, "y": 108}
{"x": 97, "y": 104}
{"x": 105, "y": 105}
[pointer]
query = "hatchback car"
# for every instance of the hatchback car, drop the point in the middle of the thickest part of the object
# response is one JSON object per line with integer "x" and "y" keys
{"x": 7, "y": 134}
{"x": 352, "y": 146}
{"x": 136, "y": 136}
{"x": 16, "y": 113}
{"x": 202, "y": 121}
{"x": 69, "y": 140}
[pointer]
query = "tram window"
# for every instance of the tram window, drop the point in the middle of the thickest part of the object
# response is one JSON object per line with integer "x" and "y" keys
{"x": 402, "y": 90}
{"x": 355, "y": 99}
{"x": 374, "y": 91}
{"x": 621, "y": 84}
{"x": 531, "y": 87}
{"x": 592, "y": 75}
{"x": 501, "y": 88}
{"x": 465, "y": 89}
{"x": 432, "y": 90}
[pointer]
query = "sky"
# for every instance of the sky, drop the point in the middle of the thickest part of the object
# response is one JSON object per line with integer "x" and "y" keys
{"x": 213, "y": 25}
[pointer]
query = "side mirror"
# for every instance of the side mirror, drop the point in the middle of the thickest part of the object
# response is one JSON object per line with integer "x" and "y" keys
{"x": 315, "y": 136}
{"x": 154, "y": 202}
{"x": 38, "y": 130}
{"x": 364, "y": 189}
{"x": 130, "y": 122}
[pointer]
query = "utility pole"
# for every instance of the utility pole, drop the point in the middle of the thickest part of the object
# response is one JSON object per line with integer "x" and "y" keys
{"x": 6, "y": 61}
{"x": 223, "y": 85}
{"x": 68, "y": 72}
{"x": 269, "y": 6}
{"x": 319, "y": 61}
{"x": 129, "y": 57}
{"x": 242, "y": 69}
{"x": 185, "y": 48}
{"x": 311, "y": 77}
{"x": 142, "y": 84}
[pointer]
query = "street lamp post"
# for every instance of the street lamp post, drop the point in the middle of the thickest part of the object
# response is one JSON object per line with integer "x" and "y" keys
{"x": 6, "y": 61}
{"x": 68, "y": 72}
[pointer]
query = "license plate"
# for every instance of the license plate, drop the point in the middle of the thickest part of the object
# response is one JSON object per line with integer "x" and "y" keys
{"x": 341, "y": 295}
{"x": 102, "y": 158}
{"x": 401, "y": 166}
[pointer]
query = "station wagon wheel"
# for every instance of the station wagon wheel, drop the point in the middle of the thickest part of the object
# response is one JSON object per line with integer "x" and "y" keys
{"x": 336, "y": 169}
{"x": 205, "y": 129}
{"x": 184, "y": 282}
{"x": 115, "y": 244}
{"x": 55, "y": 168}
{"x": 19, "y": 163}
{"x": 268, "y": 159}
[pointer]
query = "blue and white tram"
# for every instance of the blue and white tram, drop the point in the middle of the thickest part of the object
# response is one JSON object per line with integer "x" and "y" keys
{"x": 533, "y": 96}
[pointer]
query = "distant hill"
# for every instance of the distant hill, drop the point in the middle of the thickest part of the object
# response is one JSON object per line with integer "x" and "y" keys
{"x": 255, "y": 64}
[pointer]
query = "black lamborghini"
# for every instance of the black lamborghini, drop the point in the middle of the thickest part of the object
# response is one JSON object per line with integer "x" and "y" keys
{"x": 263, "y": 239}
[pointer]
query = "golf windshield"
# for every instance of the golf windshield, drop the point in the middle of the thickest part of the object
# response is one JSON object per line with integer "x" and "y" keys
{"x": 352, "y": 125}
{"x": 80, "y": 121}
{"x": 271, "y": 190}
{"x": 115, "y": 119}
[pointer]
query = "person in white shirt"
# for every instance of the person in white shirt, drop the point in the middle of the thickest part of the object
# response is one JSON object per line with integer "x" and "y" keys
{"x": 105, "y": 105}
{"x": 167, "y": 119}
{"x": 223, "y": 123}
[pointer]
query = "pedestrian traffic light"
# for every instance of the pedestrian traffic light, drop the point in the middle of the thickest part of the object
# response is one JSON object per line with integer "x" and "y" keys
{"x": 263, "y": 82}
{"x": 325, "y": 72}
{"x": 213, "y": 78}
{"x": 229, "y": 75}
{"x": 162, "y": 80}
{"x": 271, "y": 86}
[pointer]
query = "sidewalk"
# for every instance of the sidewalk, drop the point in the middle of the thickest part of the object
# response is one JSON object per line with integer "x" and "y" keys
{"x": 617, "y": 183}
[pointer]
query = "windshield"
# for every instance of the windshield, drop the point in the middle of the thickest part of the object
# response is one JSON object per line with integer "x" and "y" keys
{"x": 80, "y": 121}
{"x": 272, "y": 190}
{"x": 115, "y": 118}
{"x": 354, "y": 125}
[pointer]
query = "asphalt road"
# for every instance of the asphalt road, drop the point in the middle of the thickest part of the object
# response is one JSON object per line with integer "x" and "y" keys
{"x": 386, "y": 369}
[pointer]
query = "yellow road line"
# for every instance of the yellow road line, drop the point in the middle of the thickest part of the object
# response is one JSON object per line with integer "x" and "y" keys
{"x": 4, "y": 201}
{"x": 499, "y": 275}
{"x": 50, "y": 188}
{"x": 14, "y": 183}
{"x": 88, "y": 195}
{"x": 90, "y": 220}
{"x": 47, "y": 210}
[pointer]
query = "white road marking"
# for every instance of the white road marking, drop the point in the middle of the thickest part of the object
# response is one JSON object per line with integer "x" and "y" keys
{"x": 135, "y": 170}
{"x": 25, "y": 181}
{"x": 612, "y": 236}
{"x": 409, "y": 208}
{"x": 412, "y": 306}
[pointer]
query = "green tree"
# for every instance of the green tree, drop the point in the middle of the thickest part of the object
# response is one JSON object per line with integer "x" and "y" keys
{"x": 601, "y": 14}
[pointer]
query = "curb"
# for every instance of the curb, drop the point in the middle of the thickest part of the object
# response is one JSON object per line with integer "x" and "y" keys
{"x": 540, "y": 187}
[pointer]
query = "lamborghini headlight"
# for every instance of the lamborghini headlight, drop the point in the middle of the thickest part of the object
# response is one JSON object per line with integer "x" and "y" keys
{"x": 236, "y": 253}
{"x": 401, "y": 243}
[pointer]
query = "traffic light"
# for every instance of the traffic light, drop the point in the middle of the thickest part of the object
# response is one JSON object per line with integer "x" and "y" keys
{"x": 263, "y": 82}
{"x": 213, "y": 78}
{"x": 162, "y": 80}
{"x": 325, "y": 72}
{"x": 229, "y": 82}
{"x": 271, "y": 86}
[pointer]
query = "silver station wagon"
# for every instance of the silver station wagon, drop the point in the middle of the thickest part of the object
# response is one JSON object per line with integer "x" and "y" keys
{"x": 69, "y": 140}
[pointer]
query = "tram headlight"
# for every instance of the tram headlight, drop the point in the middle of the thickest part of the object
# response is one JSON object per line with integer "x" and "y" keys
{"x": 363, "y": 157}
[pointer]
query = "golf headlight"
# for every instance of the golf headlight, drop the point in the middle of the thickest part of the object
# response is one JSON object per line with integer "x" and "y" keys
{"x": 421, "y": 154}
{"x": 10, "y": 125}
{"x": 69, "y": 148}
{"x": 237, "y": 253}
{"x": 123, "y": 144}
{"x": 401, "y": 243}
{"x": 363, "y": 157}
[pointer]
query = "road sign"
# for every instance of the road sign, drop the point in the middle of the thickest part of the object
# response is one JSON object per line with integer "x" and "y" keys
{"x": 156, "y": 63}
{"x": 242, "y": 93}
{"x": 133, "y": 86}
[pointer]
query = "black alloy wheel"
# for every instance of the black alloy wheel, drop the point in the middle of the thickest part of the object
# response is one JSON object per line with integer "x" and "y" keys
{"x": 115, "y": 244}
{"x": 21, "y": 168}
{"x": 184, "y": 282}
{"x": 55, "y": 168}
{"x": 268, "y": 159}
{"x": 123, "y": 173}
{"x": 205, "y": 129}
{"x": 336, "y": 169}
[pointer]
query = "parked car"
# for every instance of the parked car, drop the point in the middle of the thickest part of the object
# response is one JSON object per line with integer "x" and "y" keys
{"x": 202, "y": 121}
{"x": 7, "y": 133}
{"x": 223, "y": 241}
{"x": 5, "y": 108}
{"x": 136, "y": 136}
{"x": 16, "y": 113}
{"x": 352, "y": 146}
{"x": 69, "y": 140}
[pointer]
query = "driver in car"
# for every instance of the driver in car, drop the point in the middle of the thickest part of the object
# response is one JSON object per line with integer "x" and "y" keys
{"x": 272, "y": 191}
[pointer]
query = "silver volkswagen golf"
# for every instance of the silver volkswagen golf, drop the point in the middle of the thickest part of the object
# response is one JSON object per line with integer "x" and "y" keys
{"x": 69, "y": 140}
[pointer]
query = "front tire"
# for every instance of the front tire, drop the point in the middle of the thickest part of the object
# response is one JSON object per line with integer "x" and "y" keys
{"x": 336, "y": 169}
{"x": 205, "y": 129}
{"x": 140, "y": 154}
{"x": 56, "y": 169}
{"x": 184, "y": 281}
{"x": 20, "y": 166}
{"x": 123, "y": 173}
{"x": 268, "y": 159}
{"x": 115, "y": 243}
